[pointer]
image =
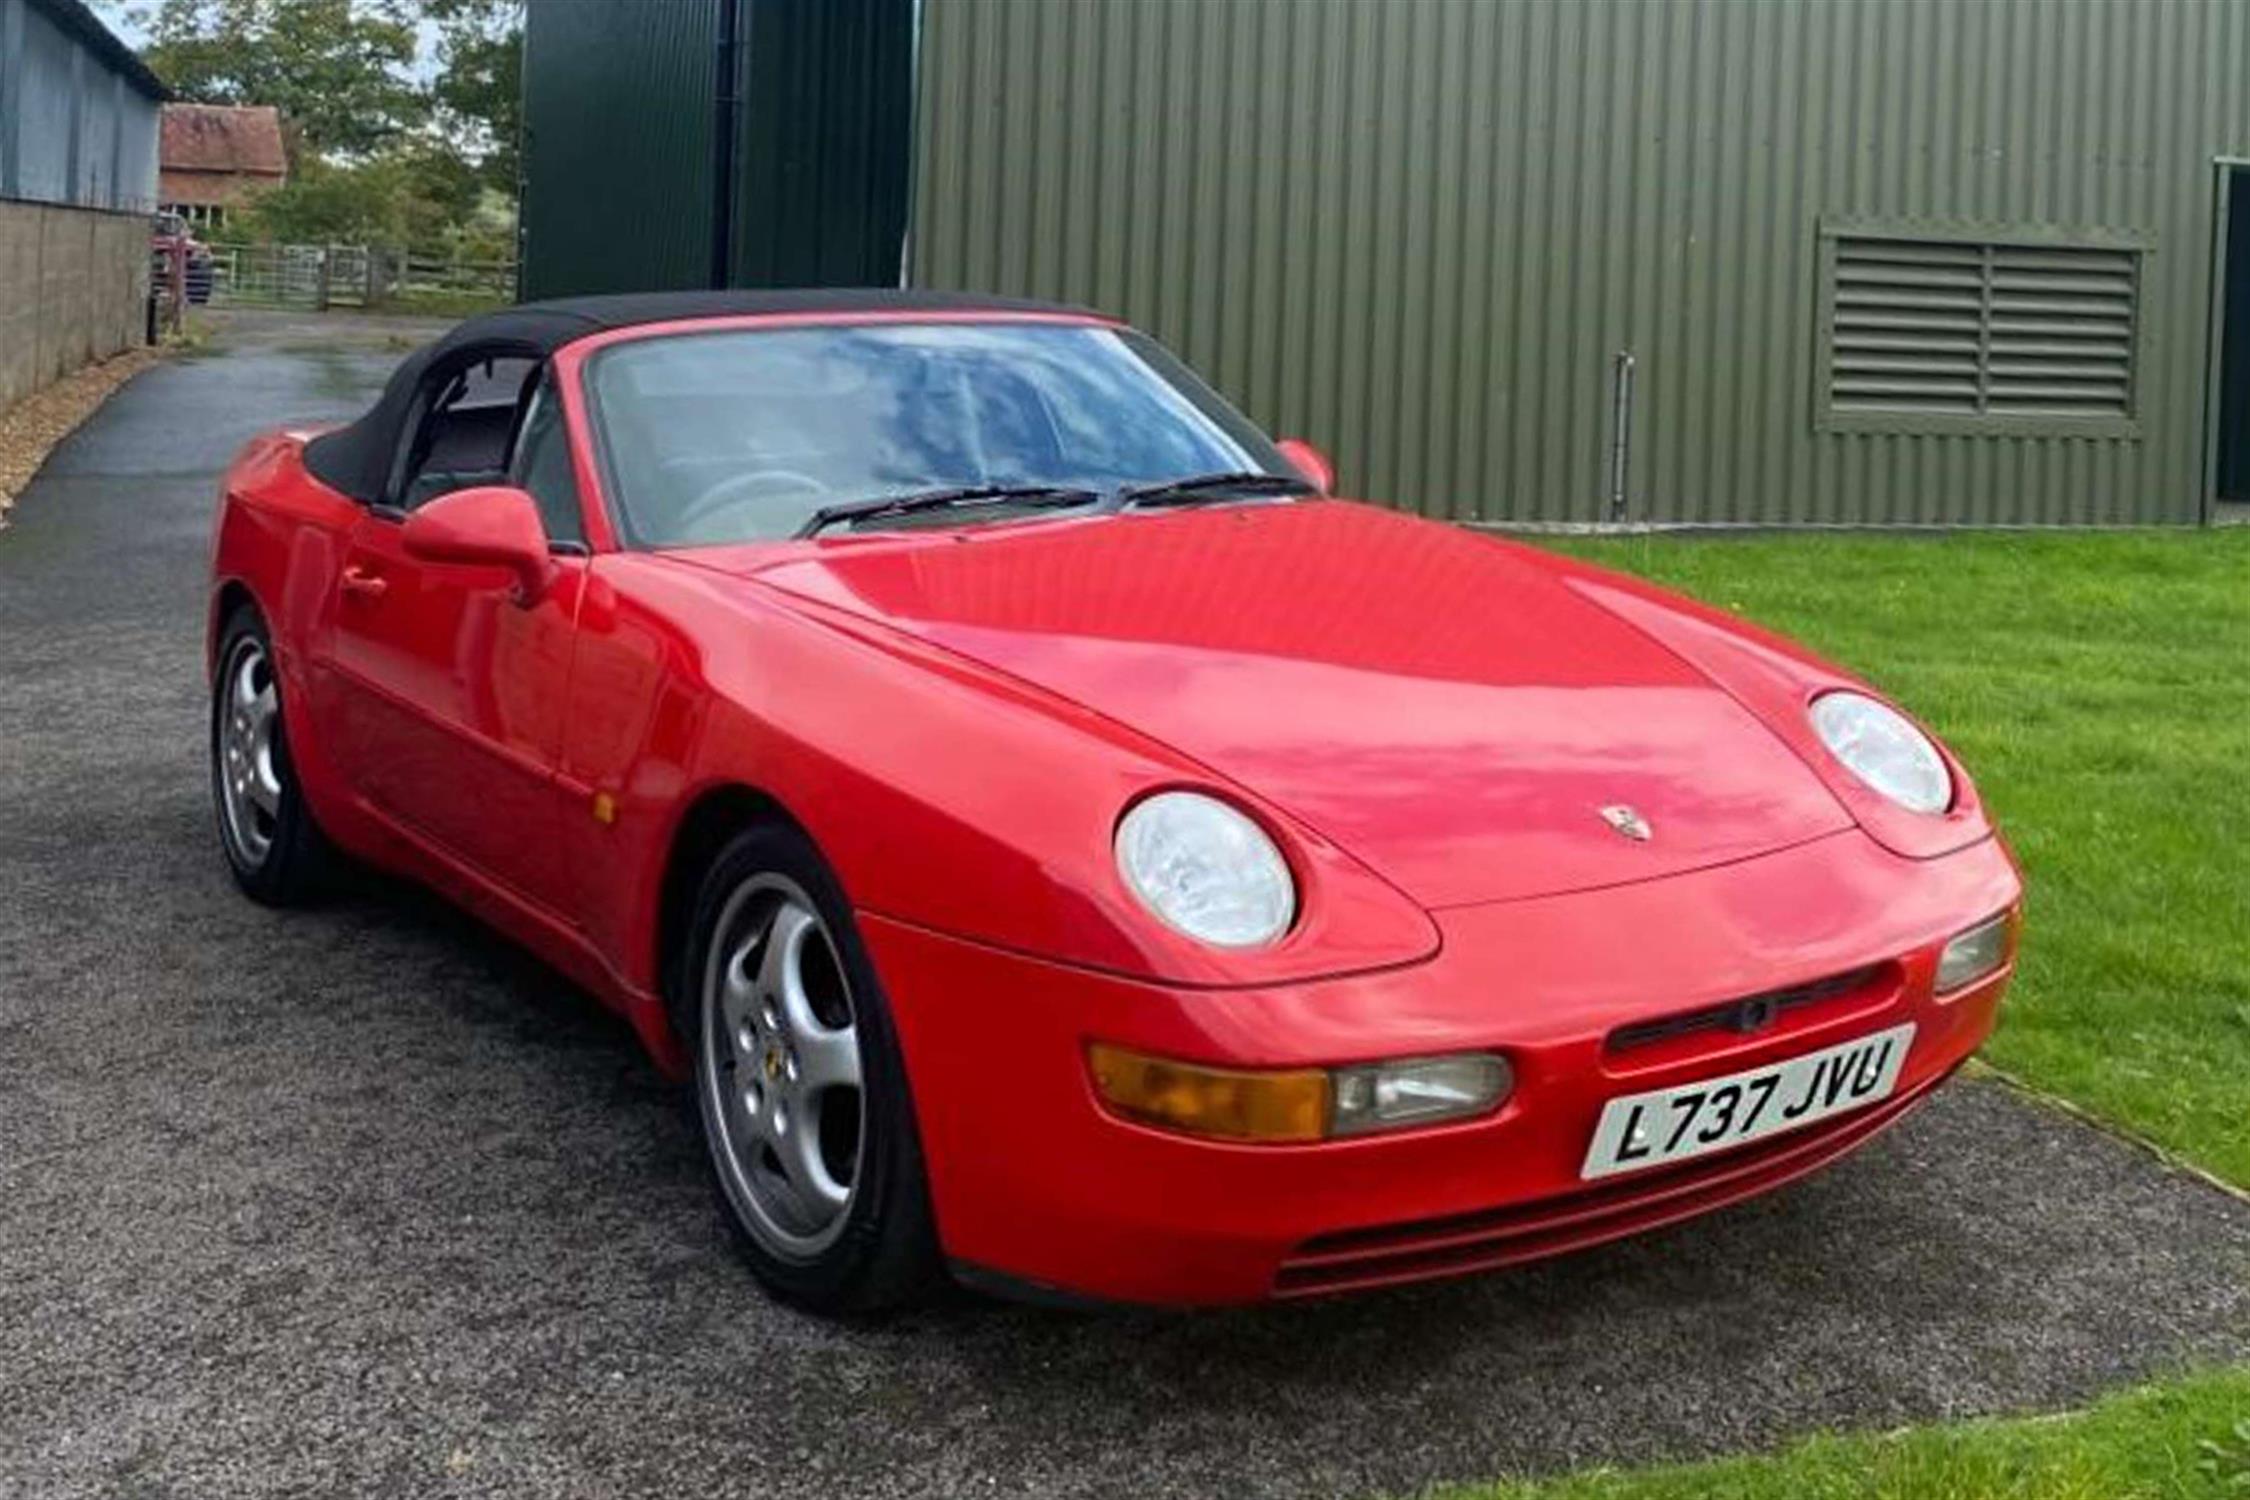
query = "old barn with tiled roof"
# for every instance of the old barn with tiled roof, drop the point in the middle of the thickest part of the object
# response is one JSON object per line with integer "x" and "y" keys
{"x": 214, "y": 157}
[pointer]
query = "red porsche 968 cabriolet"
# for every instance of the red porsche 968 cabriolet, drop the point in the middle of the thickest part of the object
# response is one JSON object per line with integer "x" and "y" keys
{"x": 1054, "y": 840}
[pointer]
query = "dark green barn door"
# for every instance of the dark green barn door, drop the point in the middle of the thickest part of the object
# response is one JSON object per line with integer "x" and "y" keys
{"x": 617, "y": 103}
{"x": 631, "y": 106}
{"x": 2233, "y": 436}
{"x": 826, "y": 142}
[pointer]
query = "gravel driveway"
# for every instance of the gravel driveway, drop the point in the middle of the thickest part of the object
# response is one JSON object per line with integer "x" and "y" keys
{"x": 365, "y": 1201}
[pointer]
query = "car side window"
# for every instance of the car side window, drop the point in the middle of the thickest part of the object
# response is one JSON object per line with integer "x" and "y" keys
{"x": 458, "y": 436}
{"x": 541, "y": 465}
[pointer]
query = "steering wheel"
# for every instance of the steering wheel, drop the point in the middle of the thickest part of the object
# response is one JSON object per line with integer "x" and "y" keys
{"x": 737, "y": 490}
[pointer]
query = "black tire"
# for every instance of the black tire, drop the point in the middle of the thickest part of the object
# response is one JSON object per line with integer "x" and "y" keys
{"x": 283, "y": 860}
{"x": 882, "y": 1252}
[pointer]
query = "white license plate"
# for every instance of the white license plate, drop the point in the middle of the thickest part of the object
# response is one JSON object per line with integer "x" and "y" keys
{"x": 1667, "y": 1125}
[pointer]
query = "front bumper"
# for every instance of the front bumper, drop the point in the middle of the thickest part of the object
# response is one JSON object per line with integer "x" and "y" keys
{"x": 1034, "y": 1183}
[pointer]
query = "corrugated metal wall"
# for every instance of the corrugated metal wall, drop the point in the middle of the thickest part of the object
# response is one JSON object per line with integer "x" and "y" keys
{"x": 621, "y": 114}
{"x": 1416, "y": 231}
{"x": 617, "y": 145}
{"x": 72, "y": 129}
{"x": 139, "y": 120}
{"x": 826, "y": 122}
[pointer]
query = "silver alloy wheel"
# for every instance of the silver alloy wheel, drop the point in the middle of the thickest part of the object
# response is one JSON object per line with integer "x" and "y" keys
{"x": 779, "y": 1079}
{"x": 249, "y": 720}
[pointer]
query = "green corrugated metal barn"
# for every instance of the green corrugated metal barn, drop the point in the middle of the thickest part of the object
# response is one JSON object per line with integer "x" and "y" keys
{"x": 1871, "y": 262}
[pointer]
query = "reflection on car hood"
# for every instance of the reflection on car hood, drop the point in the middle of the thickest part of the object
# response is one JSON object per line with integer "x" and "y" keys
{"x": 1460, "y": 717}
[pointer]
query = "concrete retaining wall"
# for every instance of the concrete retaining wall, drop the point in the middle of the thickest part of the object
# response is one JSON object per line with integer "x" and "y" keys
{"x": 73, "y": 288}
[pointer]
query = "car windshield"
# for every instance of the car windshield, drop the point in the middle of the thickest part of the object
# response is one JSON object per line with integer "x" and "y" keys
{"x": 743, "y": 435}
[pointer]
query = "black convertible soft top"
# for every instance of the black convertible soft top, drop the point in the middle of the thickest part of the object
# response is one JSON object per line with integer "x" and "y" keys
{"x": 356, "y": 460}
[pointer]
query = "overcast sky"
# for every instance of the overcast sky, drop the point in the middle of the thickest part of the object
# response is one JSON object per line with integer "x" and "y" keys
{"x": 116, "y": 15}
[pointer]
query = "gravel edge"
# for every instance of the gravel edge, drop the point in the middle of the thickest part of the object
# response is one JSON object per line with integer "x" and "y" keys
{"x": 30, "y": 429}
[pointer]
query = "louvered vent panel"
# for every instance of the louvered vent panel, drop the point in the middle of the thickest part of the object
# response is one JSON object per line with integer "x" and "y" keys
{"x": 2061, "y": 341}
{"x": 2001, "y": 331}
{"x": 1909, "y": 326}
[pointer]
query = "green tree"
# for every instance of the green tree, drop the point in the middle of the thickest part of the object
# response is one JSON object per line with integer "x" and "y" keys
{"x": 340, "y": 71}
{"x": 417, "y": 195}
{"x": 478, "y": 87}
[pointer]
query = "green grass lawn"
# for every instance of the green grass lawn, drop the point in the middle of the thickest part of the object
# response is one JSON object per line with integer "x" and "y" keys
{"x": 2098, "y": 686}
{"x": 2177, "y": 1442}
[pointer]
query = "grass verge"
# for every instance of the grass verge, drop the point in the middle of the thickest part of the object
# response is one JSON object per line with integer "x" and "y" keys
{"x": 2182, "y": 1441}
{"x": 444, "y": 304}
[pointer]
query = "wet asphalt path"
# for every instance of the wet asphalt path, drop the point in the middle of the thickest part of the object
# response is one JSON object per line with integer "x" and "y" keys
{"x": 364, "y": 1201}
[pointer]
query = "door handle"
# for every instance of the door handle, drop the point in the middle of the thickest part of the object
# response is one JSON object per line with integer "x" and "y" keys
{"x": 363, "y": 584}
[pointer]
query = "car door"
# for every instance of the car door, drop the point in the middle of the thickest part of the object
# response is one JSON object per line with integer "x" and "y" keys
{"x": 447, "y": 693}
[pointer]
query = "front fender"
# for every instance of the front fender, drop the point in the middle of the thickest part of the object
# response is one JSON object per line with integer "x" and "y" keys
{"x": 946, "y": 796}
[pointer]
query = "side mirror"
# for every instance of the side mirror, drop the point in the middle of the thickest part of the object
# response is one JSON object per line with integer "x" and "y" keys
{"x": 1310, "y": 462}
{"x": 490, "y": 526}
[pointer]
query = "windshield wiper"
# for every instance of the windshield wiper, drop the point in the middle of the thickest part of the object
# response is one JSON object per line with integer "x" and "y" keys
{"x": 1199, "y": 488}
{"x": 1035, "y": 496}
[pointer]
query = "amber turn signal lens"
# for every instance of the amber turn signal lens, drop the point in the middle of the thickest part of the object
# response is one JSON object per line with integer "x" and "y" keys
{"x": 1226, "y": 1103}
{"x": 1979, "y": 952}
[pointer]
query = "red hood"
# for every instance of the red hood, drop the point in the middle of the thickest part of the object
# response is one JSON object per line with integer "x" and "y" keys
{"x": 1445, "y": 706}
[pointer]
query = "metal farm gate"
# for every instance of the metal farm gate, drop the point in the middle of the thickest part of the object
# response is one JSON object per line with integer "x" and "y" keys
{"x": 367, "y": 276}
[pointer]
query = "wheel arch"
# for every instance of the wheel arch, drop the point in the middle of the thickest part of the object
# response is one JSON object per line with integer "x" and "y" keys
{"x": 715, "y": 816}
{"x": 231, "y": 594}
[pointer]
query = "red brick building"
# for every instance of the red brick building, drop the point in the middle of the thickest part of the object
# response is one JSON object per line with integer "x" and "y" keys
{"x": 216, "y": 157}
